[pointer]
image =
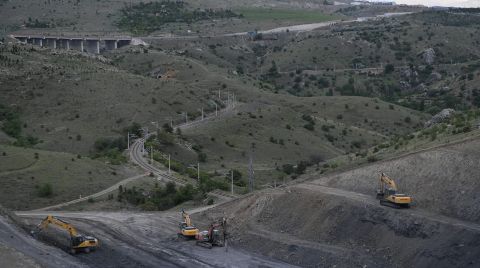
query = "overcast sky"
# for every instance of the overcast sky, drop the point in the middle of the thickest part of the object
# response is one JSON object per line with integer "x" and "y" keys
{"x": 448, "y": 3}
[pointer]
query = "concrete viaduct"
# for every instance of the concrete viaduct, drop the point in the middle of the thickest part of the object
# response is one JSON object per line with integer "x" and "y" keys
{"x": 84, "y": 44}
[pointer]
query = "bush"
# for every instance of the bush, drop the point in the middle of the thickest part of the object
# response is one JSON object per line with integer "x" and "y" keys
{"x": 301, "y": 167}
{"x": 288, "y": 169}
{"x": 309, "y": 126}
{"x": 389, "y": 68}
{"x": 12, "y": 125}
{"x": 27, "y": 141}
{"x": 45, "y": 190}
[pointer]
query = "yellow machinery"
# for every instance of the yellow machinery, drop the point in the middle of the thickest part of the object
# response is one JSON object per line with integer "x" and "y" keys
{"x": 187, "y": 230}
{"x": 78, "y": 242}
{"x": 387, "y": 193}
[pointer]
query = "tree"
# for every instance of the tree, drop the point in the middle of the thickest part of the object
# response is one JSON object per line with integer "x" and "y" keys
{"x": 389, "y": 68}
{"x": 45, "y": 190}
{"x": 301, "y": 167}
{"x": 288, "y": 169}
{"x": 167, "y": 127}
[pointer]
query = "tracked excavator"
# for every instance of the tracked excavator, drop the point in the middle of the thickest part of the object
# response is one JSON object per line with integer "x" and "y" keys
{"x": 187, "y": 229}
{"x": 388, "y": 195}
{"x": 213, "y": 236}
{"x": 78, "y": 242}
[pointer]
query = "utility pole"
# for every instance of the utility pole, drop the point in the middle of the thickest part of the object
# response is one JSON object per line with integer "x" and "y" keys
{"x": 169, "y": 164}
{"x": 232, "y": 181}
{"x": 186, "y": 117}
{"x": 198, "y": 172}
{"x": 216, "y": 109}
{"x": 219, "y": 97}
{"x": 202, "y": 113}
{"x": 251, "y": 173}
{"x": 151, "y": 154}
{"x": 128, "y": 140}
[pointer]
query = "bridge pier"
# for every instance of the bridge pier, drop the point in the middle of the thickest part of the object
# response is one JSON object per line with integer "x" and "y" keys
{"x": 64, "y": 44}
{"x": 77, "y": 44}
{"x": 51, "y": 42}
{"x": 111, "y": 44}
{"x": 93, "y": 46}
{"x": 37, "y": 41}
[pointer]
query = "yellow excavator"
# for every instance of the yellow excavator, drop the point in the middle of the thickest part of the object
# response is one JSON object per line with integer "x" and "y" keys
{"x": 388, "y": 195}
{"x": 78, "y": 242}
{"x": 187, "y": 230}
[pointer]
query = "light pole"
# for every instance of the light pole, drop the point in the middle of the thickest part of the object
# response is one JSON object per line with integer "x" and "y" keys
{"x": 169, "y": 164}
{"x": 128, "y": 140}
{"x": 232, "y": 180}
{"x": 216, "y": 109}
{"x": 198, "y": 172}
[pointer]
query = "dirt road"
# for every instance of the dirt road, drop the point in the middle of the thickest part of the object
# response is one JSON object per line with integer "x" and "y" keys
{"x": 149, "y": 240}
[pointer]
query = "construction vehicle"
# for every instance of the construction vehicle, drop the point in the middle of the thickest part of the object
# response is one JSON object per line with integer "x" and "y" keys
{"x": 212, "y": 237}
{"x": 187, "y": 230}
{"x": 78, "y": 242}
{"x": 388, "y": 195}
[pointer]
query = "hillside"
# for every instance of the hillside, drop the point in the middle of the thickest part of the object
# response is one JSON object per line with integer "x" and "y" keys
{"x": 335, "y": 220}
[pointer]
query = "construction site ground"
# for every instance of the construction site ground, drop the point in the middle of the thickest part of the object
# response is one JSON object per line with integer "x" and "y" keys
{"x": 322, "y": 221}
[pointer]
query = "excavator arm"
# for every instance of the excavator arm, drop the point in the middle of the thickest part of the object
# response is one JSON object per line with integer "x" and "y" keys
{"x": 62, "y": 224}
{"x": 387, "y": 181}
{"x": 186, "y": 218}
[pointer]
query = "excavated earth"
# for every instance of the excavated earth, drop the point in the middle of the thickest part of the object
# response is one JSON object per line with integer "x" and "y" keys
{"x": 335, "y": 220}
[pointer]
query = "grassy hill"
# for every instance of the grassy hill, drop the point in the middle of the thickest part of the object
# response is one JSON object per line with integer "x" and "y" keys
{"x": 33, "y": 178}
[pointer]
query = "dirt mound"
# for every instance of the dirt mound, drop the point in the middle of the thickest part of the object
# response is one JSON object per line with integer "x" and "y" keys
{"x": 314, "y": 229}
{"x": 442, "y": 180}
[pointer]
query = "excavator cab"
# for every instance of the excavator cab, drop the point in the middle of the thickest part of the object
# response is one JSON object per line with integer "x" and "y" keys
{"x": 86, "y": 243}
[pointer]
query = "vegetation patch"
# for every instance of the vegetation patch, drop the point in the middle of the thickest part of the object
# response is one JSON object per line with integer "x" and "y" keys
{"x": 159, "y": 198}
{"x": 259, "y": 14}
{"x": 148, "y": 17}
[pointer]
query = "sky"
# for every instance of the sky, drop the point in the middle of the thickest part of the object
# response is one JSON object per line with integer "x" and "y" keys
{"x": 448, "y": 3}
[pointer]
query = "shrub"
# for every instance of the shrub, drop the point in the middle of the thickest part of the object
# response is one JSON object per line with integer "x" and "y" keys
{"x": 45, "y": 190}
{"x": 389, "y": 68}
{"x": 309, "y": 126}
{"x": 288, "y": 169}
